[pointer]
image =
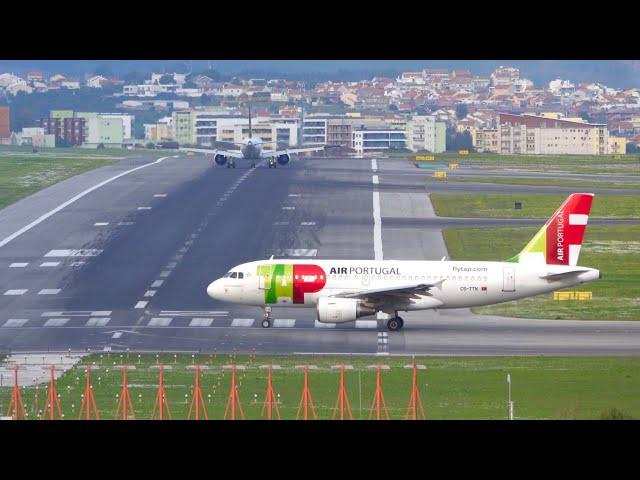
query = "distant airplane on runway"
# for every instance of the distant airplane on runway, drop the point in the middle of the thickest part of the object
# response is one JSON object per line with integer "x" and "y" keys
{"x": 251, "y": 149}
{"x": 345, "y": 290}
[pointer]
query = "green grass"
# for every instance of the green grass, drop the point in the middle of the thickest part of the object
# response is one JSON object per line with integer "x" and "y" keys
{"x": 22, "y": 176}
{"x": 77, "y": 151}
{"x": 613, "y": 249}
{"x": 451, "y": 388}
{"x": 533, "y": 205}
{"x": 555, "y": 182}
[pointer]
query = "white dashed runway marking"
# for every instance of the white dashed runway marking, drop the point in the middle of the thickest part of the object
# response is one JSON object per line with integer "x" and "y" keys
{"x": 375, "y": 180}
{"x": 294, "y": 194}
{"x": 49, "y": 264}
{"x": 74, "y": 252}
{"x": 298, "y": 252}
{"x": 157, "y": 283}
{"x": 116, "y": 335}
{"x": 15, "y": 322}
{"x": 19, "y": 291}
{"x": 284, "y": 323}
{"x": 141, "y": 304}
{"x": 278, "y": 224}
{"x": 201, "y": 322}
{"x": 318, "y": 324}
{"x": 288, "y": 208}
{"x": 97, "y": 322}
{"x": 56, "y": 322}
{"x": 78, "y": 313}
{"x": 242, "y": 322}
{"x": 18, "y": 264}
{"x": 125, "y": 224}
{"x": 160, "y": 195}
{"x": 144, "y": 208}
{"x": 101, "y": 224}
{"x": 165, "y": 273}
{"x": 308, "y": 224}
{"x": 49, "y": 291}
{"x": 149, "y": 293}
{"x": 159, "y": 322}
{"x": 366, "y": 324}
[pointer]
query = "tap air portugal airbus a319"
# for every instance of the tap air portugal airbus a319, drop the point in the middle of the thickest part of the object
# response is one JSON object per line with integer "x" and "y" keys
{"x": 345, "y": 290}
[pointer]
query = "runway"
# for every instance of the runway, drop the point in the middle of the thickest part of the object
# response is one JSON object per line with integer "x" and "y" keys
{"x": 119, "y": 258}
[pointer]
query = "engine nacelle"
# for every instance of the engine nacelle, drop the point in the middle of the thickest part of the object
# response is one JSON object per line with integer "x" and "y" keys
{"x": 284, "y": 159}
{"x": 220, "y": 159}
{"x": 340, "y": 310}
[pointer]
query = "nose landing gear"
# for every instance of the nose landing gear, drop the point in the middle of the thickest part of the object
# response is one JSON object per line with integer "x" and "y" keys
{"x": 266, "y": 323}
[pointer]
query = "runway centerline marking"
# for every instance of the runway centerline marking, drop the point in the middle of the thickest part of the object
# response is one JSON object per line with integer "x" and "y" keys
{"x": 18, "y": 264}
{"x": 377, "y": 227}
{"x": 375, "y": 180}
{"x": 101, "y": 224}
{"x": 42, "y": 218}
{"x": 141, "y": 304}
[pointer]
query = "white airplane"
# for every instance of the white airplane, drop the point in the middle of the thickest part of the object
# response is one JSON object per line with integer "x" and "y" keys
{"x": 251, "y": 148}
{"x": 345, "y": 290}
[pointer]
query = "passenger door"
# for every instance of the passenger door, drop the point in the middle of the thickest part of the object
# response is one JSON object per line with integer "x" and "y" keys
{"x": 508, "y": 279}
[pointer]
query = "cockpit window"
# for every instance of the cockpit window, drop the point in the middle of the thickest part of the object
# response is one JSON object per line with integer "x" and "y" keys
{"x": 240, "y": 275}
{"x": 226, "y": 275}
{"x": 234, "y": 274}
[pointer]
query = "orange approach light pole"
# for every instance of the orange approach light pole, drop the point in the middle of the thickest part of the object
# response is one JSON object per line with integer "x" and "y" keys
{"x": 414, "y": 408}
{"x": 306, "y": 401}
{"x": 161, "y": 398}
{"x": 343, "y": 399}
{"x": 234, "y": 398}
{"x": 270, "y": 398}
{"x": 125, "y": 399}
{"x": 16, "y": 404}
{"x": 378, "y": 398}
{"x": 88, "y": 400}
{"x": 53, "y": 403}
{"x": 197, "y": 399}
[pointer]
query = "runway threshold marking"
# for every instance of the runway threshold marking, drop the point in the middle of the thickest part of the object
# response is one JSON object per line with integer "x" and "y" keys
{"x": 97, "y": 322}
{"x": 49, "y": 264}
{"x": 72, "y": 200}
{"x": 17, "y": 291}
{"x": 56, "y": 322}
{"x": 242, "y": 322}
{"x": 49, "y": 291}
{"x": 74, "y": 252}
{"x": 200, "y": 322}
{"x": 15, "y": 322}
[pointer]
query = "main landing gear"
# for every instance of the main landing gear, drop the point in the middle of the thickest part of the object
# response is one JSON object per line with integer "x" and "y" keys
{"x": 266, "y": 323}
{"x": 395, "y": 323}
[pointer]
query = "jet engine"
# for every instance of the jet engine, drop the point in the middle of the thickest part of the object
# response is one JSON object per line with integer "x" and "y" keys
{"x": 284, "y": 159}
{"x": 340, "y": 310}
{"x": 220, "y": 159}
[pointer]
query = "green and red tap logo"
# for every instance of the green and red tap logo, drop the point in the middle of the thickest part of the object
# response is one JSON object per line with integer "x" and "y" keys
{"x": 288, "y": 283}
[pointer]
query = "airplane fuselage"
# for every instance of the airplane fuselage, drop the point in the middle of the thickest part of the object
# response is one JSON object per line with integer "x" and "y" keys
{"x": 300, "y": 283}
{"x": 252, "y": 148}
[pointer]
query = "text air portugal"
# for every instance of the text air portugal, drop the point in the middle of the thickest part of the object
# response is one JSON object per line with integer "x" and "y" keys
{"x": 564, "y": 230}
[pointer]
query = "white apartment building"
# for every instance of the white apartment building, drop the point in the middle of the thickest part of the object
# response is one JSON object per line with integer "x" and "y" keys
{"x": 425, "y": 133}
{"x": 537, "y": 135}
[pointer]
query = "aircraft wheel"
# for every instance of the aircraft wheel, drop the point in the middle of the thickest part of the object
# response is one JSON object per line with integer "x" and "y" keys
{"x": 266, "y": 323}
{"x": 394, "y": 324}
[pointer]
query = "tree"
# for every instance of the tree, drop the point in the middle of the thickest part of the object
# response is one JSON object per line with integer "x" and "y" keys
{"x": 189, "y": 84}
{"x": 458, "y": 141}
{"x": 166, "y": 80}
{"x": 103, "y": 70}
{"x": 133, "y": 78}
{"x": 461, "y": 111}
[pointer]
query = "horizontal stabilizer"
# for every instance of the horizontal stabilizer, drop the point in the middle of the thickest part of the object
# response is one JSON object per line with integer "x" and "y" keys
{"x": 561, "y": 275}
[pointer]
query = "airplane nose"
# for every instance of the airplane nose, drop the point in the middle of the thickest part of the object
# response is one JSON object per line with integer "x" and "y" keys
{"x": 214, "y": 290}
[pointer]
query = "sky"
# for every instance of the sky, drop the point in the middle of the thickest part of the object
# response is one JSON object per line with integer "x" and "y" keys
{"x": 615, "y": 73}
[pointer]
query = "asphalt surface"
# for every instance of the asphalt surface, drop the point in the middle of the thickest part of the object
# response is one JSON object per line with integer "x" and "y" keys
{"x": 125, "y": 262}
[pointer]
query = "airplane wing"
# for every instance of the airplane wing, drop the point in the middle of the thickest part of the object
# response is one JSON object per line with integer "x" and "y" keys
{"x": 405, "y": 292}
{"x": 277, "y": 153}
{"x": 212, "y": 151}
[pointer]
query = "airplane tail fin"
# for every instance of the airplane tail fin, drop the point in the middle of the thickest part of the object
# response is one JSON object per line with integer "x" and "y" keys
{"x": 558, "y": 242}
